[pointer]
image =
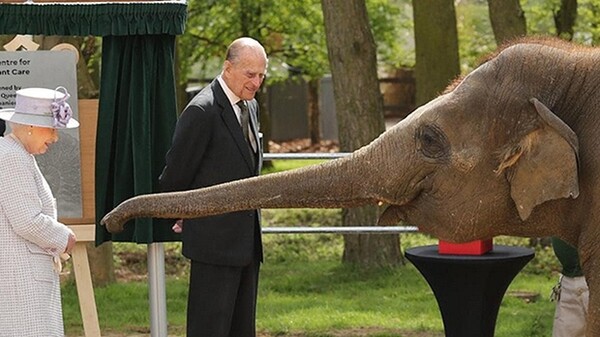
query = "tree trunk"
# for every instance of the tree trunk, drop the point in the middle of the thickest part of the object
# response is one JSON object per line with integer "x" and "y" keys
{"x": 359, "y": 108}
{"x": 101, "y": 263}
{"x": 436, "y": 47}
{"x": 180, "y": 86}
{"x": 564, "y": 19}
{"x": 508, "y": 20}
{"x": 314, "y": 127}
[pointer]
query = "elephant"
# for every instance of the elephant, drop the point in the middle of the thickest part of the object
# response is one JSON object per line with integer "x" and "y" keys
{"x": 512, "y": 148}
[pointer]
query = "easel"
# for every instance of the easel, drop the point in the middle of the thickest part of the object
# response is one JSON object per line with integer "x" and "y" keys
{"x": 84, "y": 228}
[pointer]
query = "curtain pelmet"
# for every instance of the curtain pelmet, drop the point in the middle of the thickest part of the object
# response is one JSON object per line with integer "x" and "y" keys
{"x": 98, "y": 19}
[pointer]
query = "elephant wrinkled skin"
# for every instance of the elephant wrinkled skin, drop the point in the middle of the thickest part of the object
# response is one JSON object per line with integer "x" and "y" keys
{"x": 510, "y": 149}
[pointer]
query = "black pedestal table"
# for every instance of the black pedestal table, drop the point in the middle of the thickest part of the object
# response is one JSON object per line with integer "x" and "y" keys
{"x": 469, "y": 288}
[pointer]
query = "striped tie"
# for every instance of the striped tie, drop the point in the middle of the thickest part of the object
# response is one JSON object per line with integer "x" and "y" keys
{"x": 245, "y": 122}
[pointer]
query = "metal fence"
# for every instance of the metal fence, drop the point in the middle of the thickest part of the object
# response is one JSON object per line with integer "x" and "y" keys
{"x": 156, "y": 257}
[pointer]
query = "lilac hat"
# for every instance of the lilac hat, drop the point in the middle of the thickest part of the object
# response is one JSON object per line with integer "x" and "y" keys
{"x": 41, "y": 107}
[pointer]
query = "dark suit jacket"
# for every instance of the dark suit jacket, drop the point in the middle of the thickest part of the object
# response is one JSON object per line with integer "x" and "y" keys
{"x": 208, "y": 148}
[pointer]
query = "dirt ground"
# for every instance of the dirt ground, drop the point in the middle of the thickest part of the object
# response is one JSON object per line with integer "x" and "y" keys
{"x": 339, "y": 333}
{"x": 303, "y": 145}
{"x": 365, "y": 332}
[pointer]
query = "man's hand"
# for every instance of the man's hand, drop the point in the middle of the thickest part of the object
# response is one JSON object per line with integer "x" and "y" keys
{"x": 178, "y": 226}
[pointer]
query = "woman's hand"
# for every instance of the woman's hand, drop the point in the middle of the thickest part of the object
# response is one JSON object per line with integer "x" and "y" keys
{"x": 71, "y": 243}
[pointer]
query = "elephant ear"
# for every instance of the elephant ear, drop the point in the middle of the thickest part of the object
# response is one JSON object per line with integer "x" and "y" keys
{"x": 545, "y": 165}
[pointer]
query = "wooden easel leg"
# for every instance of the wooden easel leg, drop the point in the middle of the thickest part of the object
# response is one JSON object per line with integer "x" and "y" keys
{"x": 85, "y": 290}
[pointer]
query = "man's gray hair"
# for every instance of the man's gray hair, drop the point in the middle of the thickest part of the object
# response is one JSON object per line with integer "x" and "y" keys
{"x": 236, "y": 47}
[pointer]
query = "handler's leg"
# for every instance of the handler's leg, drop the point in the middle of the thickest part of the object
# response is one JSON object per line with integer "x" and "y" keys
{"x": 571, "y": 308}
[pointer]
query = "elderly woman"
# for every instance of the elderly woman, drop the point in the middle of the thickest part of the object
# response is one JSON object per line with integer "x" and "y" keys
{"x": 31, "y": 238}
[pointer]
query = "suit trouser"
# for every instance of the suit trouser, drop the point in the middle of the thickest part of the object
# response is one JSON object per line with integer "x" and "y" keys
{"x": 571, "y": 308}
{"x": 222, "y": 300}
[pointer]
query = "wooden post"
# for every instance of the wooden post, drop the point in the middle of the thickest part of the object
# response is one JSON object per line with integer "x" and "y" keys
{"x": 85, "y": 228}
{"x": 83, "y": 280}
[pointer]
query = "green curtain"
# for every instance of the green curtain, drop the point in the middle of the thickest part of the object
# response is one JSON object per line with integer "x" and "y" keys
{"x": 137, "y": 93}
{"x": 136, "y": 120}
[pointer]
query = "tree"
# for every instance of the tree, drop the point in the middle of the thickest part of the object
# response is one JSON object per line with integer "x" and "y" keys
{"x": 314, "y": 125}
{"x": 283, "y": 28}
{"x": 508, "y": 20}
{"x": 291, "y": 31}
{"x": 436, "y": 47}
{"x": 587, "y": 27}
{"x": 564, "y": 19}
{"x": 359, "y": 108}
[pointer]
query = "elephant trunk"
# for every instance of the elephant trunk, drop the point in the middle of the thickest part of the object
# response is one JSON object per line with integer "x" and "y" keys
{"x": 326, "y": 185}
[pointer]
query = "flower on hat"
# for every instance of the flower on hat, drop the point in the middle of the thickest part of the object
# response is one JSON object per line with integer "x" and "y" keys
{"x": 61, "y": 110}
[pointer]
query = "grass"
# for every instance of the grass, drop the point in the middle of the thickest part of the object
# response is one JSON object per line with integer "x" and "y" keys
{"x": 314, "y": 299}
{"x": 306, "y": 292}
{"x": 284, "y": 165}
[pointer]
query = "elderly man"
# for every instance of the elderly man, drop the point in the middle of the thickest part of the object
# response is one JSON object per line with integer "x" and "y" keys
{"x": 215, "y": 141}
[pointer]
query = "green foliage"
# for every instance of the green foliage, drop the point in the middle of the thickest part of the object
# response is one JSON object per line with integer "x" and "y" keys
{"x": 475, "y": 35}
{"x": 544, "y": 261}
{"x": 291, "y": 31}
{"x": 540, "y": 16}
{"x": 587, "y": 27}
{"x": 284, "y": 165}
{"x": 392, "y": 25}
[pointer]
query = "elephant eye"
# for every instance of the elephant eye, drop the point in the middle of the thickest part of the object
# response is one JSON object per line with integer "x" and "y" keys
{"x": 432, "y": 142}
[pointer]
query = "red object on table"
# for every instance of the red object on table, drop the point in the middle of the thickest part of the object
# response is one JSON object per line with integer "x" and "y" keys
{"x": 477, "y": 247}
